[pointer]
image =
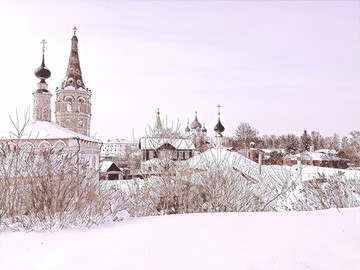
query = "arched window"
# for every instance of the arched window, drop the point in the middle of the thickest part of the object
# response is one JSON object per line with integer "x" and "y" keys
{"x": 44, "y": 145}
{"x": 82, "y": 105}
{"x": 45, "y": 114}
{"x": 59, "y": 145}
{"x": 27, "y": 146}
{"x": 69, "y": 101}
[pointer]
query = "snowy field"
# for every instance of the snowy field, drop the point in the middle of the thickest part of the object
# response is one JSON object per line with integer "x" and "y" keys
{"x": 328, "y": 239}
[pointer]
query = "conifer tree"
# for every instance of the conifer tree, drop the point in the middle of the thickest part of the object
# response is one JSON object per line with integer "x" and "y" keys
{"x": 305, "y": 142}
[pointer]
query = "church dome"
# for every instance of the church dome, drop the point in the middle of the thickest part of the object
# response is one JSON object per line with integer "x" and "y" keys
{"x": 219, "y": 128}
{"x": 204, "y": 130}
{"x": 42, "y": 72}
{"x": 195, "y": 124}
{"x": 187, "y": 129}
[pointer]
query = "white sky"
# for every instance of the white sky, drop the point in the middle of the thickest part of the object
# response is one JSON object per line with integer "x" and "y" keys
{"x": 282, "y": 66}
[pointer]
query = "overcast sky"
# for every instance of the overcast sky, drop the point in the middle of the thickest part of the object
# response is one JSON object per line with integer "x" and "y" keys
{"x": 282, "y": 66}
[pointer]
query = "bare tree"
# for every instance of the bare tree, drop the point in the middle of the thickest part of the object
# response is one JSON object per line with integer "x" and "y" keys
{"x": 244, "y": 135}
{"x": 45, "y": 188}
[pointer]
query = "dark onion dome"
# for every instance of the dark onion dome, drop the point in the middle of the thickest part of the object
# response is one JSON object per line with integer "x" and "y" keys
{"x": 204, "y": 129}
{"x": 195, "y": 124}
{"x": 187, "y": 129}
{"x": 42, "y": 72}
{"x": 219, "y": 127}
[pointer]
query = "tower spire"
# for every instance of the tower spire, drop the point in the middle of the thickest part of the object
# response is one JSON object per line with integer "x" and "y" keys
{"x": 73, "y": 77}
{"x": 158, "y": 125}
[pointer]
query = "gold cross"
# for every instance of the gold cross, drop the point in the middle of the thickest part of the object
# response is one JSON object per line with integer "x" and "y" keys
{"x": 43, "y": 42}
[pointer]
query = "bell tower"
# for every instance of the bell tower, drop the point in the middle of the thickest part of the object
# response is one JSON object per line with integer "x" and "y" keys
{"x": 42, "y": 96}
{"x": 73, "y": 98}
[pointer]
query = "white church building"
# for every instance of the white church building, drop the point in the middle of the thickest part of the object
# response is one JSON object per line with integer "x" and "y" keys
{"x": 70, "y": 131}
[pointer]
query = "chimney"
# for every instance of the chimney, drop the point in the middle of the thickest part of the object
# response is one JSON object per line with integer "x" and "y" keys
{"x": 252, "y": 152}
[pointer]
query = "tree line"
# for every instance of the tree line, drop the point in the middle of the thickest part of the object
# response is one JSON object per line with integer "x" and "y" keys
{"x": 347, "y": 147}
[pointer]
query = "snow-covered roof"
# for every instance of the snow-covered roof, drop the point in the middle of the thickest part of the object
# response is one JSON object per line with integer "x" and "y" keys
{"x": 119, "y": 141}
{"x": 326, "y": 151}
{"x": 219, "y": 157}
{"x": 156, "y": 142}
{"x": 105, "y": 165}
{"x": 310, "y": 172}
{"x": 305, "y": 172}
{"x": 270, "y": 150}
{"x": 313, "y": 156}
{"x": 49, "y": 130}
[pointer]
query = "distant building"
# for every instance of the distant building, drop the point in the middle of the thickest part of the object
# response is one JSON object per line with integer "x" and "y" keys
{"x": 198, "y": 134}
{"x": 322, "y": 158}
{"x": 164, "y": 143}
{"x": 166, "y": 148}
{"x": 110, "y": 171}
{"x": 117, "y": 148}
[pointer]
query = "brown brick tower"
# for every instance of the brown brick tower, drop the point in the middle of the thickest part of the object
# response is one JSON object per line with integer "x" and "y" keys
{"x": 73, "y": 98}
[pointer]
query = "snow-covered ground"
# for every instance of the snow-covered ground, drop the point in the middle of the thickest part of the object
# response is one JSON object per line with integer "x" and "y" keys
{"x": 328, "y": 239}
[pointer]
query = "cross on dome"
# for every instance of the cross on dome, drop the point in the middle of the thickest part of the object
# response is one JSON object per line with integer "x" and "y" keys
{"x": 43, "y": 42}
{"x": 75, "y": 29}
{"x": 43, "y": 72}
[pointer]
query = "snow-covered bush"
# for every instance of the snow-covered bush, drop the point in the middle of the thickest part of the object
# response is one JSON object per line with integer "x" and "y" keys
{"x": 41, "y": 189}
{"x": 212, "y": 189}
{"x": 335, "y": 191}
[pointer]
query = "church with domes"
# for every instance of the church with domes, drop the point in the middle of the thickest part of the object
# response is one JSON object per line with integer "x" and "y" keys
{"x": 70, "y": 132}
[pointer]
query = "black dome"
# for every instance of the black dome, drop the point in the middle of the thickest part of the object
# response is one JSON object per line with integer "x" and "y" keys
{"x": 42, "y": 72}
{"x": 219, "y": 127}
